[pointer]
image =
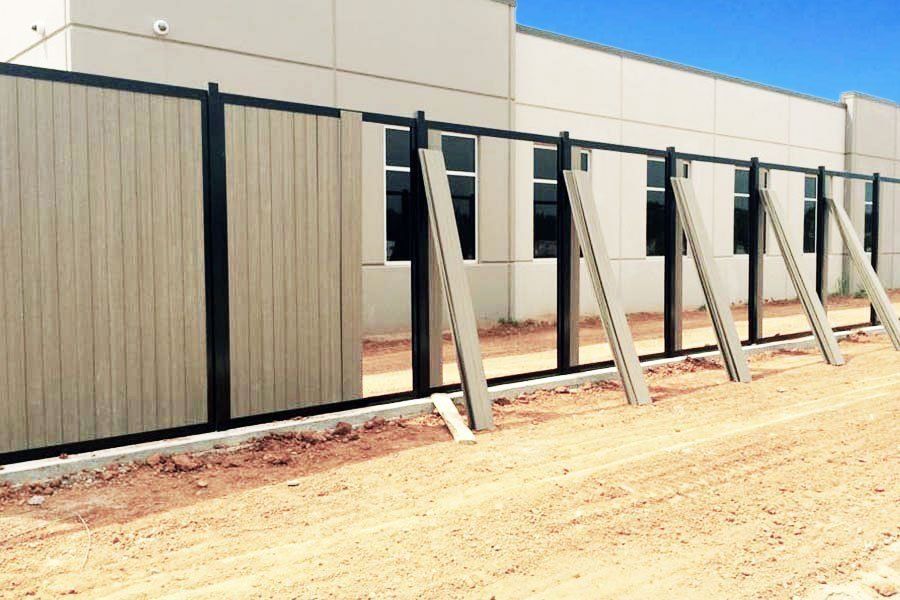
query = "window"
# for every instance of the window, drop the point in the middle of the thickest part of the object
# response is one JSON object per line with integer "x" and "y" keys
{"x": 741, "y": 211}
{"x": 656, "y": 207}
{"x": 397, "y": 193}
{"x": 544, "y": 189}
{"x": 809, "y": 214}
{"x": 870, "y": 208}
{"x": 460, "y": 154}
{"x": 544, "y": 194}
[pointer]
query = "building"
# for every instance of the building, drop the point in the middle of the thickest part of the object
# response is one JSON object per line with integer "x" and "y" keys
{"x": 468, "y": 61}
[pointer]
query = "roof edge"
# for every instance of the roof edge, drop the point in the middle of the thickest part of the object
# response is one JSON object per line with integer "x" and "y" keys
{"x": 871, "y": 98}
{"x": 573, "y": 41}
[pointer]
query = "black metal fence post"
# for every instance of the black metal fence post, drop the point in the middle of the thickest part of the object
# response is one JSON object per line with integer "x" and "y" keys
{"x": 215, "y": 222}
{"x": 821, "y": 237}
{"x": 673, "y": 299}
{"x": 563, "y": 256}
{"x": 757, "y": 255}
{"x": 419, "y": 275}
{"x": 876, "y": 207}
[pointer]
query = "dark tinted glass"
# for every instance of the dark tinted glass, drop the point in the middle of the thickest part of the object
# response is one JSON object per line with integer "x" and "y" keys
{"x": 545, "y": 220}
{"x": 398, "y": 224}
{"x": 459, "y": 153}
{"x": 545, "y": 163}
{"x": 656, "y": 174}
{"x": 396, "y": 148}
{"x": 462, "y": 189}
{"x": 585, "y": 161}
{"x": 809, "y": 226}
{"x": 868, "y": 231}
{"x": 869, "y": 220}
{"x": 741, "y": 224}
{"x": 656, "y": 219}
{"x": 809, "y": 189}
{"x": 741, "y": 182}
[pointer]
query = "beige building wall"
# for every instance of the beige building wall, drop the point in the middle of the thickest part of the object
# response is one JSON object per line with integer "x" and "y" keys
{"x": 604, "y": 94}
{"x": 466, "y": 61}
{"x": 873, "y": 145}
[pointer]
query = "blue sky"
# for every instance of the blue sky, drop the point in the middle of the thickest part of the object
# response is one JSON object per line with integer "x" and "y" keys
{"x": 821, "y": 47}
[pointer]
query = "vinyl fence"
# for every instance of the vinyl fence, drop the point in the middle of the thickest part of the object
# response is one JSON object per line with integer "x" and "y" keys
{"x": 177, "y": 260}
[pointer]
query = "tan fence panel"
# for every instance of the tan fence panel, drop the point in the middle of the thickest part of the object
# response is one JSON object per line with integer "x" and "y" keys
{"x": 102, "y": 323}
{"x": 291, "y": 321}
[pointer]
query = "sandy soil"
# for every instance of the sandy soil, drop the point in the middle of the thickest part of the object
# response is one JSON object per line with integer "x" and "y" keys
{"x": 766, "y": 490}
{"x": 530, "y": 346}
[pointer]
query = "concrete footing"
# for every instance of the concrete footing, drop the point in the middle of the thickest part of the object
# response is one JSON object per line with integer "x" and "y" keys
{"x": 50, "y": 468}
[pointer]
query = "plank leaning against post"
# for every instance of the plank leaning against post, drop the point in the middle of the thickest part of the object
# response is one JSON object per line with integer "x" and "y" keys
{"x": 612, "y": 313}
{"x": 809, "y": 300}
{"x": 719, "y": 309}
{"x": 877, "y": 296}
{"x": 456, "y": 288}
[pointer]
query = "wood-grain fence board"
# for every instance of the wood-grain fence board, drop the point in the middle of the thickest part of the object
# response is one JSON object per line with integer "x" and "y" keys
{"x": 351, "y": 232}
{"x": 586, "y": 221}
{"x": 456, "y": 287}
{"x": 295, "y": 258}
{"x": 713, "y": 289}
{"x": 809, "y": 300}
{"x": 877, "y": 296}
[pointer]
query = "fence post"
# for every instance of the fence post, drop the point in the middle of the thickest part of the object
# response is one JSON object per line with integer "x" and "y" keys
{"x": 563, "y": 256}
{"x": 821, "y": 237}
{"x": 672, "y": 326}
{"x": 215, "y": 222}
{"x": 757, "y": 218}
{"x": 419, "y": 275}
{"x": 876, "y": 207}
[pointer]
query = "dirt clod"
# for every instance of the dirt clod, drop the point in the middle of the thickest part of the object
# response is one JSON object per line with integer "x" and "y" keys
{"x": 276, "y": 459}
{"x": 343, "y": 428}
{"x": 185, "y": 462}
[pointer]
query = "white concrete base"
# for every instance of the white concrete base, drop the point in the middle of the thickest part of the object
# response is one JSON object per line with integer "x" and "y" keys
{"x": 50, "y": 468}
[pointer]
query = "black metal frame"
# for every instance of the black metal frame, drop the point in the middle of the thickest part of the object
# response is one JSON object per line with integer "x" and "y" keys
{"x": 216, "y": 252}
{"x": 564, "y": 264}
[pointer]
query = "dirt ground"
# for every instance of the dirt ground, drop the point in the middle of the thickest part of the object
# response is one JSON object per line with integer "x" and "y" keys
{"x": 773, "y": 489}
{"x": 529, "y": 346}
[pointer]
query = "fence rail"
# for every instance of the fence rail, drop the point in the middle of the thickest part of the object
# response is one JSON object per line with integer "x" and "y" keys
{"x": 191, "y": 310}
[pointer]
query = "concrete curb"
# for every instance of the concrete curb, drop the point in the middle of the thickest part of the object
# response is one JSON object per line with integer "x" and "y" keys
{"x": 50, "y": 468}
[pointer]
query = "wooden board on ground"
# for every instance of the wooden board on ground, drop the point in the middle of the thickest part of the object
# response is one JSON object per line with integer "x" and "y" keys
{"x": 587, "y": 226}
{"x": 809, "y": 300}
{"x": 713, "y": 289}
{"x": 456, "y": 288}
{"x": 447, "y": 409}
{"x": 877, "y": 296}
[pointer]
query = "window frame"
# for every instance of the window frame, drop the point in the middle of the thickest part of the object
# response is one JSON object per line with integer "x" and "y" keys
{"x": 384, "y": 171}
{"x": 815, "y": 203}
{"x": 735, "y": 196}
{"x": 868, "y": 225}
{"x": 535, "y": 180}
{"x": 388, "y": 168}
{"x": 473, "y": 175}
{"x": 649, "y": 188}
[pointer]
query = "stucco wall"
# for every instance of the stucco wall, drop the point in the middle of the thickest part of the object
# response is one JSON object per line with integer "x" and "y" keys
{"x": 465, "y": 61}
{"x": 601, "y": 94}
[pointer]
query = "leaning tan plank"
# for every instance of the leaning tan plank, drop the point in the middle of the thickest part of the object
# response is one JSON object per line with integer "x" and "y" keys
{"x": 877, "y": 296}
{"x": 812, "y": 306}
{"x": 445, "y": 407}
{"x": 456, "y": 287}
{"x": 587, "y": 226}
{"x": 713, "y": 290}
